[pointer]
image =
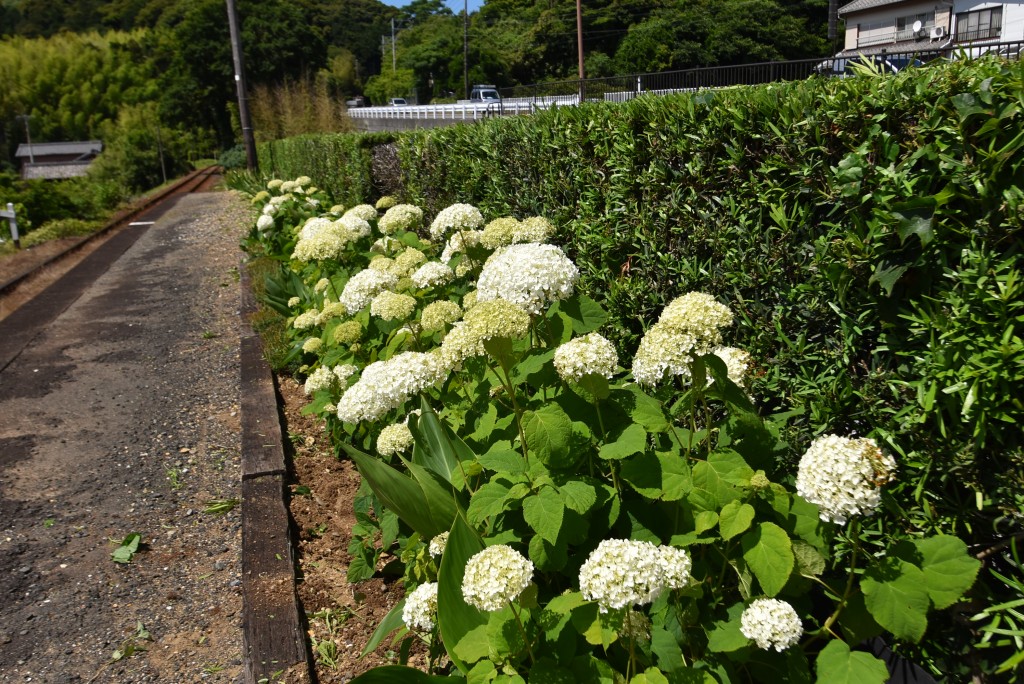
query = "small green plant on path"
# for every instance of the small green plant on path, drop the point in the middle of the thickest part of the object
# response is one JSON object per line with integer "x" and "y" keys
{"x": 126, "y": 548}
{"x": 221, "y": 506}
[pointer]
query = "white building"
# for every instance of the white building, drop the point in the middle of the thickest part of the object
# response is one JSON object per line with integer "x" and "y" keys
{"x": 895, "y": 26}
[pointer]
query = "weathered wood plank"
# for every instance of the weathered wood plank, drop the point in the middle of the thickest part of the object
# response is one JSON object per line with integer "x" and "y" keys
{"x": 272, "y": 625}
{"x": 262, "y": 448}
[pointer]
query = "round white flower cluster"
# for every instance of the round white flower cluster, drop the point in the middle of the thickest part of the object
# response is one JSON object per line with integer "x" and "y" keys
{"x": 348, "y": 332}
{"x": 438, "y": 544}
{"x": 499, "y": 232}
{"x": 321, "y": 285}
{"x": 688, "y": 327}
{"x": 264, "y": 223}
{"x": 421, "y": 607}
{"x": 389, "y": 306}
{"x": 771, "y": 623}
{"x": 337, "y": 209}
{"x": 344, "y": 372}
{"x": 312, "y": 345}
{"x": 354, "y": 226}
{"x": 495, "y": 576}
{"x": 364, "y": 286}
{"x": 737, "y": 362}
{"x": 590, "y": 354}
{"x": 320, "y": 242}
{"x": 431, "y": 274}
{"x": 366, "y": 212}
{"x": 314, "y": 225}
{"x": 485, "y": 321}
{"x": 456, "y": 217}
{"x": 306, "y": 320}
{"x": 400, "y": 217}
{"x": 274, "y": 183}
{"x": 439, "y": 314}
{"x": 384, "y": 264}
{"x": 386, "y": 202}
{"x": 528, "y": 274}
{"x": 409, "y": 260}
{"x": 842, "y": 475}
{"x": 330, "y": 310}
{"x": 533, "y": 229}
{"x": 293, "y": 302}
{"x": 322, "y": 378}
{"x": 386, "y": 245}
{"x": 394, "y": 439}
{"x": 460, "y": 242}
{"x": 625, "y": 572}
{"x": 385, "y": 385}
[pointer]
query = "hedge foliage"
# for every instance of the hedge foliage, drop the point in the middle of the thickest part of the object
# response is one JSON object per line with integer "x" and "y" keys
{"x": 866, "y": 230}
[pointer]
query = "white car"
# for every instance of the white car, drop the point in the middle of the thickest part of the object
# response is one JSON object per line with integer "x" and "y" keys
{"x": 398, "y": 102}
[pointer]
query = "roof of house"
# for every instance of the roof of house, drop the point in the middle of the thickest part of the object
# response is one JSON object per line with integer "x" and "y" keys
{"x": 84, "y": 147}
{"x": 860, "y": 5}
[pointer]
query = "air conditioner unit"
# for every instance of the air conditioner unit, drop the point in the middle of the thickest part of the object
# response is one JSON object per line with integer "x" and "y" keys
{"x": 938, "y": 32}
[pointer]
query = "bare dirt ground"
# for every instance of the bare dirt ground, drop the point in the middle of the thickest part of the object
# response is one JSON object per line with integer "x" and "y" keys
{"x": 339, "y": 612}
{"x": 121, "y": 417}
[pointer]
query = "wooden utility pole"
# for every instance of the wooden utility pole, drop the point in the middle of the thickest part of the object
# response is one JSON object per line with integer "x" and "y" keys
{"x": 465, "y": 47}
{"x": 579, "y": 45}
{"x": 243, "y": 103}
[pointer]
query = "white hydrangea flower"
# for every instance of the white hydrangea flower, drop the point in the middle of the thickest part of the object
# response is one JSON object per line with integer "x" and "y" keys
{"x": 432, "y": 274}
{"x": 533, "y": 229}
{"x": 274, "y": 183}
{"x": 386, "y": 245}
{"x": 842, "y": 475}
{"x": 320, "y": 239}
{"x": 394, "y": 439}
{"x": 400, "y": 217}
{"x": 590, "y": 354}
{"x": 344, "y": 372}
{"x": 321, "y": 285}
{"x": 353, "y": 226}
{"x": 364, "y": 286}
{"x": 269, "y": 209}
{"x": 313, "y": 225}
{"x": 289, "y": 186}
{"x": 499, "y": 232}
{"x": 457, "y": 217}
{"x": 303, "y": 181}
{"x": 389, "y": 306}
{"x": 264, "y": 223}
{"x": 698, "y": 313}
{"x": 386, "y": 202}
{"x": 771, "y": 623}
{"x": 409, "y": 260}
{"x": 459, "y": 243}
{"x": 293, "y": 302}
{"x": 529, "y": 274}
{"x": 320, "y": 379}
{"x": 495, "y": 576}
{"x": 348, "y": 332}
{"x": 664, "y": 352}
{"x": 312, "y": 345}
{"x": 737, "y": 362}
{"x": 385, "y": 385}
{"x": 420, "y": 608}
{"x": 366, "y": 212}
{"x": 330, "y": 310}
{"x": 485, "y": 321}
{"x": 624, "y": 572}
{"x": 438, "y": 544}
{"x": 306, "y": 320}
{"x": 337, "y": 209}
{"x": 437, "y": 315}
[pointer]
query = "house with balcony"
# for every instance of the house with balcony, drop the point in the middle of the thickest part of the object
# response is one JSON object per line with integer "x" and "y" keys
{"x": 905, "y": 26}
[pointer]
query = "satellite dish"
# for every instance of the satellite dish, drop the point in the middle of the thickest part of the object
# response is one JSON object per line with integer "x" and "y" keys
{"x": 917, "y": 26}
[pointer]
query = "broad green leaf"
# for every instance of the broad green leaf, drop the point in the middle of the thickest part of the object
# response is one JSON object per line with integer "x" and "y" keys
{"x": 666, "y": 648}
{"x": 546, "y": 671}
{"x": 578, "y": 495}
{"x": 837, "y": 664}
{"x": 398, "y": 674}
{"x": 632, "y": 440}
{"x": 658, "y": 476}
{"x": 546, "y": 556}
{"x": 896, "y": 595}
{"x": 536, "y": 368}
{"x": 591, "y": 387}
{"x": 948, "y": 569}
{"x": 769, "y": 554}
{"x": 704, "y": 521}
{"x": 735, "y": 518}
{"x": 456, "y": 618}
{"x": 487, "y": 501}
{"x": 808, "y": 560}
{"x": 599, "y": 629}
{"x": 429, "y": 514}
{"x": 586, "y": 314}
{"x": 731, "y": 467}
{"x": 543, "y": 512}
{"x": 887, "y": 276}
{"x": 391, "y": 622}
{"x": 549, "y": 436}
{"x": 805, "y": 521}
{"x": 726, "y": 637}
{"x": 503, "y": 461}
{"x": 437, "y": 447}
{"x": 642, "y": 408}
{"x": 555, "y": 615}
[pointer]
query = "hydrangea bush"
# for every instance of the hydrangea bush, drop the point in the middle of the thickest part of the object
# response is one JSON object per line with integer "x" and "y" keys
{"x": 567, "y": 512}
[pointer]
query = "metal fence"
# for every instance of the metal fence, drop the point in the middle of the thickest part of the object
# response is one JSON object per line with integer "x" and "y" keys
{"x": 525, "y": 99}
{"x": 622, "y": 88}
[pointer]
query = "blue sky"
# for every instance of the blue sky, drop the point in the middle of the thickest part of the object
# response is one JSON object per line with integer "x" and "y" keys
{"x": 455, "y": 5}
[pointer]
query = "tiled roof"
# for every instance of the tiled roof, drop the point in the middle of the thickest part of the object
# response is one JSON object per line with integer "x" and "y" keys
{"x": 46, "y": 149}
{"x": 860, "y": 5}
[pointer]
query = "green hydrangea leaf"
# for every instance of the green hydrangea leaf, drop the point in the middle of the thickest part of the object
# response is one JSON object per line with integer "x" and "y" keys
{"x": 544, "y": 512}
{"x": 837, "y": 664}
{"x": 735, "y": 518}
{"x": 896, "y": 595}
{"x": 768, "y": 552}
{"x": 948, "y": 569}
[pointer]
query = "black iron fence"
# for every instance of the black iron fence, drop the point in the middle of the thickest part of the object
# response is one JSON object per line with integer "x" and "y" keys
{"x": 622, "y": 88}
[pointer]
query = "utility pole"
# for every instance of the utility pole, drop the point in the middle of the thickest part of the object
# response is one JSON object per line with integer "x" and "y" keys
{"x": 465, "y": 47}
{"x": 28, "y": 137}
{"x": 243, "y": 103}
{"x": 579, "y": 44}
{"x": 394, "y": 64}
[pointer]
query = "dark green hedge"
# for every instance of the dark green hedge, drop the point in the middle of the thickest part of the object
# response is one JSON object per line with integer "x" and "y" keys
{"x": 867, "y": 231}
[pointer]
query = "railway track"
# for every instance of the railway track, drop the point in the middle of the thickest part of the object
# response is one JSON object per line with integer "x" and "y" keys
{"x": 200, "y": 180}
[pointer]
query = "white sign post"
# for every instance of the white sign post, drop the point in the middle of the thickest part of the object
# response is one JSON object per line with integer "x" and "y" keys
{"x": 12, "y": 220}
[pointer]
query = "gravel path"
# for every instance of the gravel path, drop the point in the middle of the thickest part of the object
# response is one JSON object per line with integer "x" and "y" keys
{"x": 122, "y": 417}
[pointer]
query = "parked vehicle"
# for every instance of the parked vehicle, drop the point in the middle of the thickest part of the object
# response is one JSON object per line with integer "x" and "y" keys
{"x": 484, "y": 93}
{"x": 843, "y": 67}
{"x": 398, "y": 102}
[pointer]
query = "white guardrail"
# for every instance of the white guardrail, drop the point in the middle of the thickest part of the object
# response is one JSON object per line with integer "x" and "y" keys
{"x": 462, "y": 112}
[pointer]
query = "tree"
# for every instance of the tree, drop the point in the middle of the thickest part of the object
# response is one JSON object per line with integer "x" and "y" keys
{"x": 382, "y": 87}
